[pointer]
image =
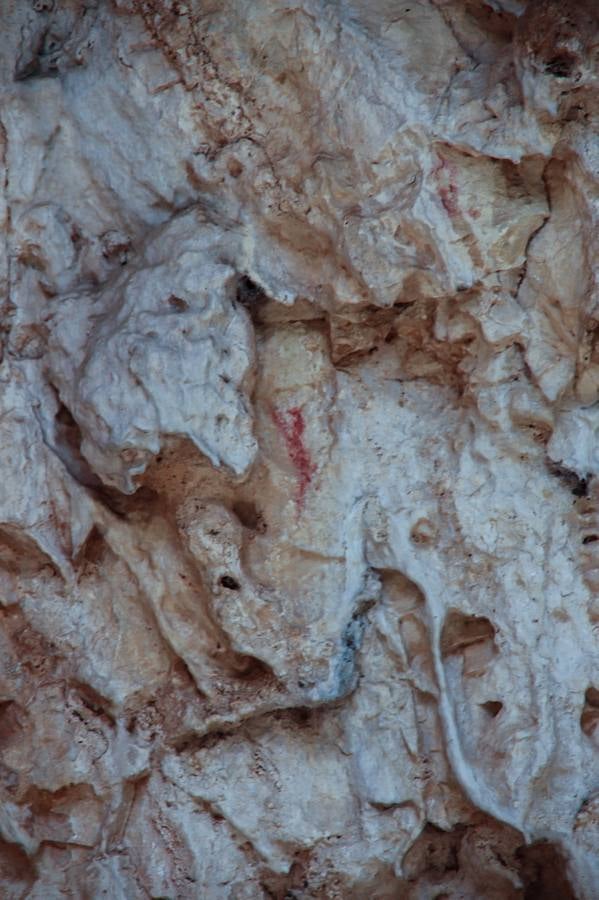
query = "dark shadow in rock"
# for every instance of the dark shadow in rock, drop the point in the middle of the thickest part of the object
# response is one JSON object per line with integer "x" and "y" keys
{"x": 578, "y": 486}
{"x": 492, "y": 708}
{"x": 67, "y": 446}
{"x": 10, "y": 723}
{"x": 94, "y": 701}
{"x": 456, "y": 863}
{"x": 249, "y": 515}
{"x": 543, "y": 870}
{"x": 250, "y": 296}
{"x": 21, "y": 555}
{"x": 15, "y": 870}
{"x": 93, "y": 550}
{"x": 471, "y": 636}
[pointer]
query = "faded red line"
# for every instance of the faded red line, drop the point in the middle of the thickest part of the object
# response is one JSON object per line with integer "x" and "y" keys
{"x": 292, "y": 426}
{"x": 449, "y": 199}
{"x": 448, "y": 192}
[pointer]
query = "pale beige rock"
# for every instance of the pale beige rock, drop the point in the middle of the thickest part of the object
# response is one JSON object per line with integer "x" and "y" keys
{"x": 299, "y": 497}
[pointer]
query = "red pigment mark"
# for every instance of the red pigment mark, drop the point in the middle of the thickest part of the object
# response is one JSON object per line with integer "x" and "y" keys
{"x": 292, "y": 426}
{"x": 475, "y": 213}
{"x": 445, "y": 173}
{"x": 449, "y": 199}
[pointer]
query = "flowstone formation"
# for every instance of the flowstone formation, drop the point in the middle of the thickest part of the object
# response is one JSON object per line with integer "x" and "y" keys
{"x": 299, "y": 443}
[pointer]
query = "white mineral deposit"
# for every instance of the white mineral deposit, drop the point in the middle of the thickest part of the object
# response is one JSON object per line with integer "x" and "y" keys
{"x": 299, "y": 449}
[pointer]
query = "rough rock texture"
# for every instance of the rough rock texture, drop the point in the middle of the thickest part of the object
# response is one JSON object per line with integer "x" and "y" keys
{"x": 299, "y": 445}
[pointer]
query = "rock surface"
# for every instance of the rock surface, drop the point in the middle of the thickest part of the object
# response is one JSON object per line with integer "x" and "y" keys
{"x": 299, "y": 435}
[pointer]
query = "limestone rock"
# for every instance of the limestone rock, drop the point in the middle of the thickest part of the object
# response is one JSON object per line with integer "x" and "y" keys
{"x": 299, "y": 510}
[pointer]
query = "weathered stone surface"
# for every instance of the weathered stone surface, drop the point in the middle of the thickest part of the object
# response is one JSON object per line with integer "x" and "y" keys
{"x": 299, "y": 409}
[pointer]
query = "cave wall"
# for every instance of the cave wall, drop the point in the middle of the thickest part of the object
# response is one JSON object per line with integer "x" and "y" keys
{"x": 299, "y": 415}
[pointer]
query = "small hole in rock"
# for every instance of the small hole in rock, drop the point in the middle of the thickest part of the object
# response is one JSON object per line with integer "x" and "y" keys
{"x": 590, "y": 539}
{"x": 248, "y": 514}
{"x": 229, "y": 583}
{"x": 492, "y": 707}
{"x": 561, "y": 66}
{"x": 178, "y": 303}
{"x": 249, "y": 294}
{"x": 580, "y": 489}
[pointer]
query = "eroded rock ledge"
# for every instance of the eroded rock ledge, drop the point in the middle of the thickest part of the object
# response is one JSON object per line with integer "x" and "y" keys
{"x": 298, "y": 433}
